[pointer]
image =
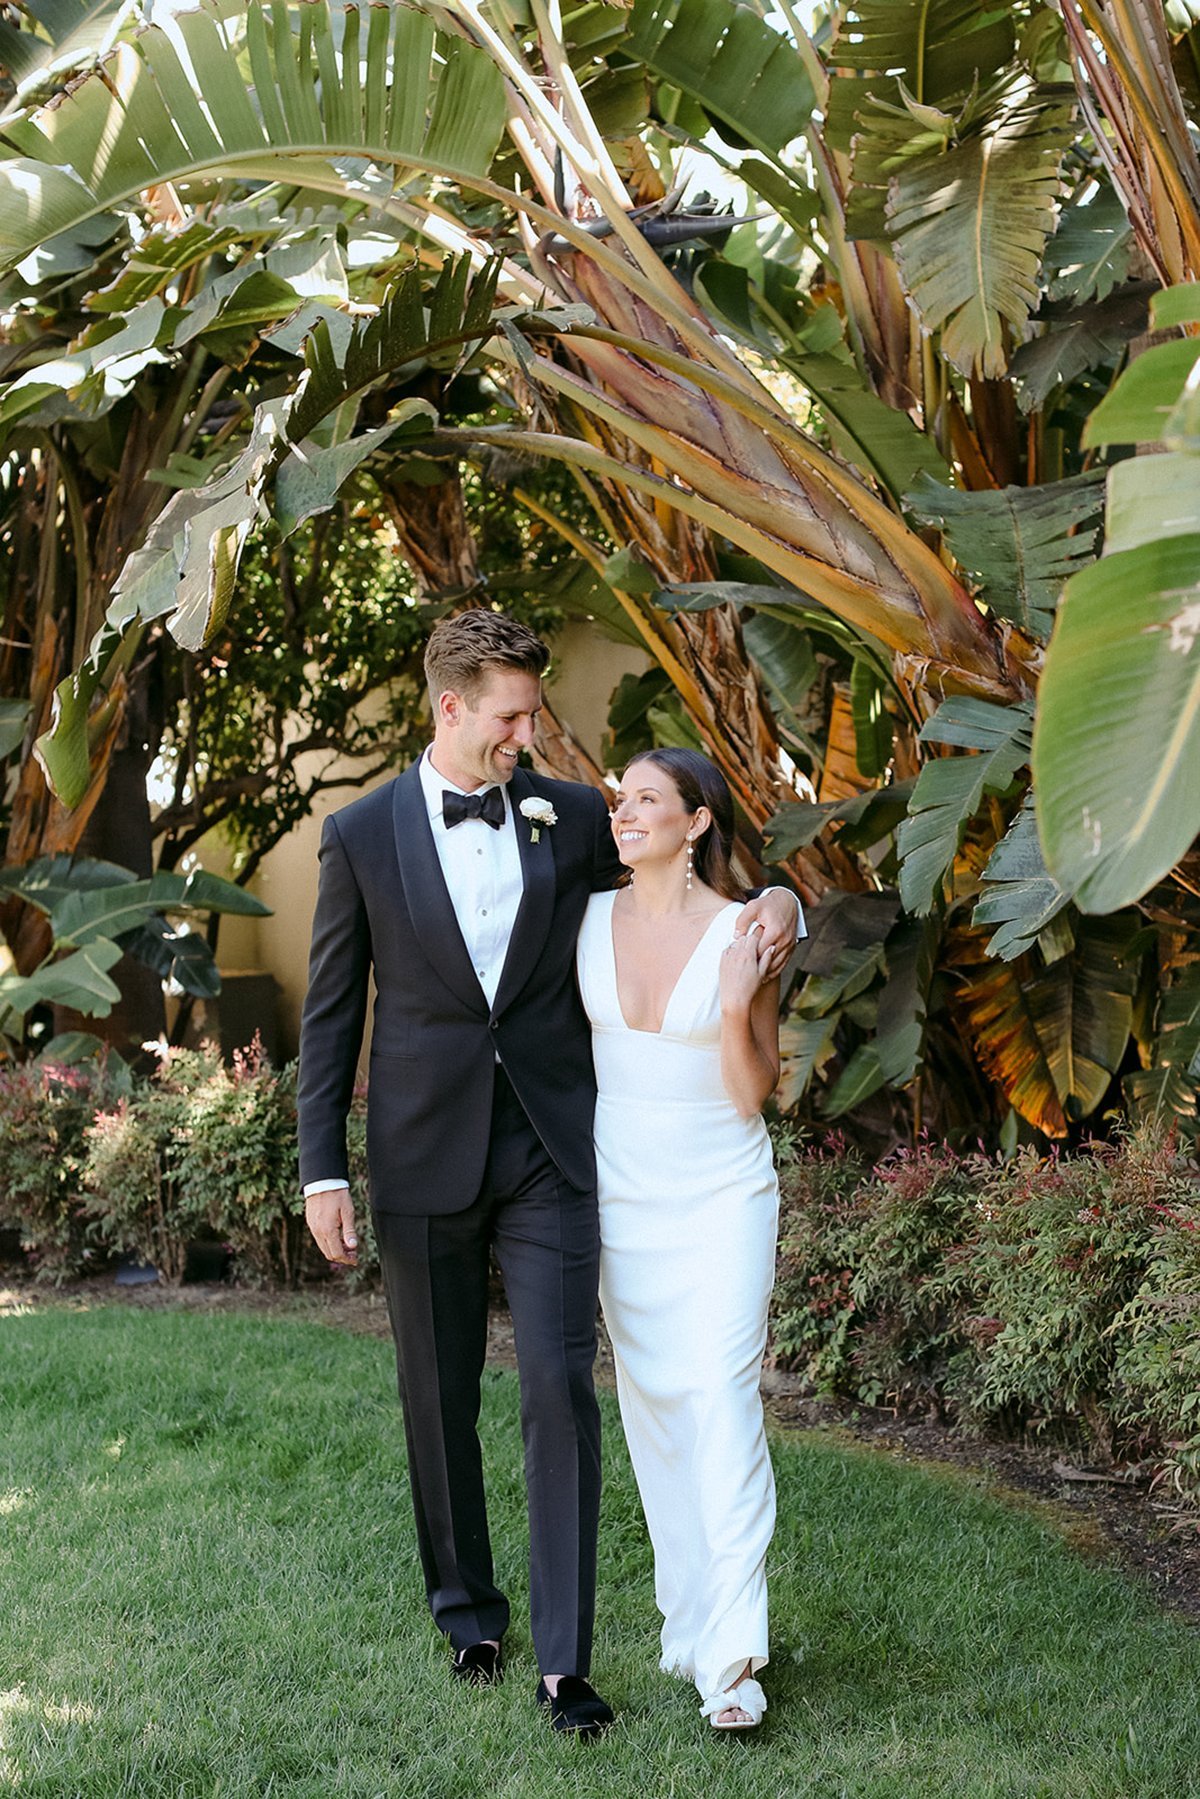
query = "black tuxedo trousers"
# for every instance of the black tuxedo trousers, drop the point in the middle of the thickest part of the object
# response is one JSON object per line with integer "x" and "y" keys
{"x": 479, "y": 1131}
{"x": 546, "y": 1240}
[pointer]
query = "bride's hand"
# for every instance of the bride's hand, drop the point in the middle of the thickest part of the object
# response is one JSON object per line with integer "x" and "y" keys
{"x": 777, "y": 914}
{"x": 745, "y": 966}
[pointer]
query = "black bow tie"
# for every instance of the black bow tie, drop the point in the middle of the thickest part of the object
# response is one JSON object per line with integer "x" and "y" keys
{"x": 488, "y": 805}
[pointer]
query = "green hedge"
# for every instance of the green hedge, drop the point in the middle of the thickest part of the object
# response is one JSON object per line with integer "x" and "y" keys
{"x": 1041, "y": 1292}
{"x": 91, "y": 1166}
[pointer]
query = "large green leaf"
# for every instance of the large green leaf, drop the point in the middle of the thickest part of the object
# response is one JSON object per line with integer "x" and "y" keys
{"x": 91, "y": 377}
{"x": 969, "y": 229}
{"x": 418, "y": 320}
{"x": 309, "y": 480}
{"x": 1092, "y": 335}
{"x": 1140, "y": 407}
{"x": 1169, "y": 1086}
{"x": 48, "y": 880}
{"x": 309, "y": 102}
{"x": 1150, "y": 497}
{"x": 941, "y": 47}
{"x": 14, "y": 717}
{"x": 80, "y": 981}
{"x": 872, "y": 721}
{"x": 160, "y": 257}
{"x": 787, "y": 662}
{"x": 1117, "y": 747}
{"x": 724, "y": 56}
{"x": 1082, "y": 1010}
{"x": 928, "y": 62}
{"x": 805, "y": 1045}
{"x": 84, "y": 914}
{"x": 852, "y": 973}
{"x": 1116, "y": 753}
{"x": 1179, "y": 305}
{"x": 865, "y": 818}
{"x": 186, "y": 567}
{"x": 180, "y": 956}
{"x": 903, "y": 1001}
{"x": 861, "y": 1077}
{"x": 1020, "y": 897}
{"x": 58, "y": 37}
{"x": 1089, "y": 253}
{"x": 202, "y": 891}
{"x": 949, "y": 791}
{"x": 1019, "y": 543}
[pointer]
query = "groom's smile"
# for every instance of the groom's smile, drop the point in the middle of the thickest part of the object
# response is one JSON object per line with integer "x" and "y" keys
{"x": 479, "y": 737}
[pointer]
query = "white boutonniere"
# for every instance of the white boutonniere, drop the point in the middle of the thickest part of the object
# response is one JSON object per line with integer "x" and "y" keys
{"x": 539, "y": 813}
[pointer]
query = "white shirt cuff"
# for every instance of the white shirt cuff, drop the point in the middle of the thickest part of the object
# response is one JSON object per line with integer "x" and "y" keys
{"x": 801, "y": 927}
{"x": 323, "y": 1186}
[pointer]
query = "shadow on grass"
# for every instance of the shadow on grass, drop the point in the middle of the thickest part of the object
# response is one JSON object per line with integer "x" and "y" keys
{"x": 208, "y": 1582}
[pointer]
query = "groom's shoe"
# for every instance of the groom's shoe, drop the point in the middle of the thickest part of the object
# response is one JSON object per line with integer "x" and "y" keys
{"x": 480, "y": 1665}
{"x": 576, "y": 1707}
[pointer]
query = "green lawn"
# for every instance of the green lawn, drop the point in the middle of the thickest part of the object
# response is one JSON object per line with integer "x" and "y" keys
{"x": 208, "y": 1584}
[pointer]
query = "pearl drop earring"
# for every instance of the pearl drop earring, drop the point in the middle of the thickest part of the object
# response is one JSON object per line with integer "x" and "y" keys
{"x": 691, "y": 857}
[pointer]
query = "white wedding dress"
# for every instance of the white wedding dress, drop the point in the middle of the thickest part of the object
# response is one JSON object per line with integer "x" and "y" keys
{"x": 688, "y": 1214}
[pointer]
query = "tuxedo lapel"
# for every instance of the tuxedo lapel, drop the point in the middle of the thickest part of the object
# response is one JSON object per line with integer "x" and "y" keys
{"x": 537, "y": 905}
{"x": 429, "y": 904}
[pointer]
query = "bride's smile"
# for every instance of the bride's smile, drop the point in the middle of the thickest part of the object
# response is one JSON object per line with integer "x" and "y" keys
{"x": 650, "y": 822}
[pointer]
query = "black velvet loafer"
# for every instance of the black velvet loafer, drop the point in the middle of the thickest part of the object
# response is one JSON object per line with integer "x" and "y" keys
{"x": 576, "y": 1707}
{"x": 480, "y": 1665}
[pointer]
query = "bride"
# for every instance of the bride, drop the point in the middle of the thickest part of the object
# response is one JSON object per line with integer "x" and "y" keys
{"x": 686, "y": 1044}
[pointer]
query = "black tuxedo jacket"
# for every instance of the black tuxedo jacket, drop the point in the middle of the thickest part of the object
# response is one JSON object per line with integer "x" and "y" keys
{"x": 383, "y": 907}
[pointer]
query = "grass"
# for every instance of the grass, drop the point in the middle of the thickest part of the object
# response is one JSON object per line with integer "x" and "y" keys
{"x": 208, "y": 1585}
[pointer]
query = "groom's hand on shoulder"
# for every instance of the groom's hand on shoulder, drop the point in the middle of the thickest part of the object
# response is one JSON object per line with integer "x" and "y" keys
{"x": 330, "y": 1217}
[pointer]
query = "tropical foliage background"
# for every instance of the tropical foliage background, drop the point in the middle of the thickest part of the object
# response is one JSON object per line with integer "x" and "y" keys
{"x": 892, "y": 470}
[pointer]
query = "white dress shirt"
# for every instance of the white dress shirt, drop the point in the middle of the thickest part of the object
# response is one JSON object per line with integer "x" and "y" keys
{"x": 482, "y": 869}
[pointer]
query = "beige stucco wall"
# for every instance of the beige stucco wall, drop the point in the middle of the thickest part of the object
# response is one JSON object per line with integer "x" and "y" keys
{"x": 587, "y": 666}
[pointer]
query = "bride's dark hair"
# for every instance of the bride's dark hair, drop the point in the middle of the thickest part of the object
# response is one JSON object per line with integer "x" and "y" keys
{"x": 700, "y": 782}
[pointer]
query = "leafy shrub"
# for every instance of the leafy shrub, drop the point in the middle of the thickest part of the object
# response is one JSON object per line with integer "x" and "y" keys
{"x": 823, "y": 1230}
{"x": 138, "y": 1201}
{"x": 1064, "y": 1245}
{"x": 205, "y": 1148}
{"x": 45, "y": 1112}
{"x": 914, "y": 1286}
{"x": 237, "y": 1162}
{"x": 1157, "y": 1339}
{"x": 1043, "y": 1291}
{"x": 366, "y": 1273}
{"x": 873, "y": 1284}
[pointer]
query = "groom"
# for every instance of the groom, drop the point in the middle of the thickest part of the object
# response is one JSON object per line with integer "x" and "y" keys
{"x": 461, "y": 885}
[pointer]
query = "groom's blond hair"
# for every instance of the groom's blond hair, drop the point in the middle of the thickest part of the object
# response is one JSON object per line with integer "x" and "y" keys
{"x": 462, "y": 650}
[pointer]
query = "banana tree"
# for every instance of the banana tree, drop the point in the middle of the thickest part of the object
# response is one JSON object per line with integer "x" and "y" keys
{"x": 908, "y": 359}
{"x": 796, "y": 508}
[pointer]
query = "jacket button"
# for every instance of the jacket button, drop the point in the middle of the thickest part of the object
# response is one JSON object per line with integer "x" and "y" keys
{"x": 493, "y": 1024}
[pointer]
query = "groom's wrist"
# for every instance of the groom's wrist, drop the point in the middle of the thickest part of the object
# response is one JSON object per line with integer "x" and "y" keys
{"x": 801, "y": 929}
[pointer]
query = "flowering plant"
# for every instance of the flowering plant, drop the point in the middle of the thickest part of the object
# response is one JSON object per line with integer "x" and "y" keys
{"x": 539, "y": 813}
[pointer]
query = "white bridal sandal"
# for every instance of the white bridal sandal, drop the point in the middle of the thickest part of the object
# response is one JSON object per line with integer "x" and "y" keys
{"x": 747, "y": 1696}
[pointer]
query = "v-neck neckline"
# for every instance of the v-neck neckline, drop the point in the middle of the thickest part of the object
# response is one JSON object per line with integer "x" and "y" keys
{"x": 638, "y": 1030}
